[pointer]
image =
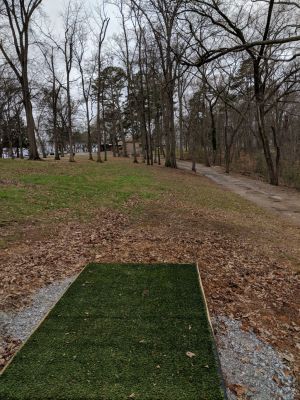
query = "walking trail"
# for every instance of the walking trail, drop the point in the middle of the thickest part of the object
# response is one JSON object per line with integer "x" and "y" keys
{"x": 279, "y": 199}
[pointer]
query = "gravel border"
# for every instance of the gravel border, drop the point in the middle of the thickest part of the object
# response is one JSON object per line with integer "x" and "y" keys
{"x": 20, "y": 325}
{"x": 251, "y": 368}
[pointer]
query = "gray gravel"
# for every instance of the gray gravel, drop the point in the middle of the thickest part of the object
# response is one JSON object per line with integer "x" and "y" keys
{"x": 20, "y": 325}
{"x": 246, "y": 361}
{"x": 251, "y": 363}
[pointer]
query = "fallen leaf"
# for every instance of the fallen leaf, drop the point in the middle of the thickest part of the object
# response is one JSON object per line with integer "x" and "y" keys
{"x": 289, "y": 357}
{"x": 190, "y": 354}
{"x": 238, "y": 390}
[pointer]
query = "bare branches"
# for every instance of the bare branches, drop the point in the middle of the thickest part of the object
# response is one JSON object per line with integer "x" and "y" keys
{"x": 18, "y": 16}
{"x": 228, "y": 25}
{"x": 280, "y": 2}
{"x": 212, "y": 55}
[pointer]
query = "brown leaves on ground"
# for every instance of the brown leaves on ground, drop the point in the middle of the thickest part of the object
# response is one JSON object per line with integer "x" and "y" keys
{"x": 7, "y": 349}
{"x": 239, "y": 390}
{"x": 240, "y": 277}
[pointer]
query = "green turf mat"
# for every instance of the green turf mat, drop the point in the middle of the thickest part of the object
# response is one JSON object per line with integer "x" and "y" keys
{"x": 121, "y": 332}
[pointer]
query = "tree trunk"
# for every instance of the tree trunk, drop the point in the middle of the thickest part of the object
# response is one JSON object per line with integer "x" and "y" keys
{"x": 260, "y": 114}
{"x": 89, "y": 138}
{"x": 135, "y": 160}
{"x": 70, "y": 130}
{"x": 170, "y": 132}
{"x": 273, "y": 177}
{"x": 41, "y": 143}
{"x": 1, "y": 146}
{"x": 104, "y": 131}
{"x": 227, "y": 146}
{"x": 20, "y": 138}
{"x": 33, "y": 151}
{"x": 213, "y": 133}
{"x": 278, "y": 153}
{"x": 99, "y": 158}
{"x": 56, "y": 145}
{"x": 124, "y": 144}
{"x": 99, "y": 134}
{"x": 10, "y": 147}
{"x": 181, "y": 157}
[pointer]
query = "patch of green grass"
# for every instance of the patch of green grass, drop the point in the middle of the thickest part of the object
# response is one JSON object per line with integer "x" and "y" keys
{"x": 31, "y": 189}
{"x": 121, "y": 331}
{"x": 36, "y": 190}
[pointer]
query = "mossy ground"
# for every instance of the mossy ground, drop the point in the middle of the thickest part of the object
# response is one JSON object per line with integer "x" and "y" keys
{"x": 121, "y": 331}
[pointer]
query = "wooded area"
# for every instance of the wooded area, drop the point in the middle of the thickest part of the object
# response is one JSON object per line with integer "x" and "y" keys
{"x": 212, "y": 81}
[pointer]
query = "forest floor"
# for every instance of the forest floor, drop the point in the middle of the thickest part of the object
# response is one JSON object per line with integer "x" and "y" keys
{"x": 57, "y": 216}
{"x": 279, "y": 199}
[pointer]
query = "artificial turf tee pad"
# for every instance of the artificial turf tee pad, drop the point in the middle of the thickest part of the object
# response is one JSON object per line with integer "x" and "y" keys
{"x": 121, "y": 332}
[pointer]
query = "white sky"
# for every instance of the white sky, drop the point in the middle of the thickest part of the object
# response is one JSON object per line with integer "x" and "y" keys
{"x": 54, "y": 8}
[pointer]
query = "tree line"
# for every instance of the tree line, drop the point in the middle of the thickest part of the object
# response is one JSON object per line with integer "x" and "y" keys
{"x": 207, "y": 80}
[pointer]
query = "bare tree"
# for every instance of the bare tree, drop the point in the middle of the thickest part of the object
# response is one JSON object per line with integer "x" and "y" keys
{"x": 124, "y": 49}
{"x": 235, "y": 24}
{"x": 49, "y": 52}
{"x": 72, "y": 21}
{"x": 100, "y": 41}
{"x": 87, "y": 71}
{"x": 17, "y": 18}
{"x": 161, "y": 15}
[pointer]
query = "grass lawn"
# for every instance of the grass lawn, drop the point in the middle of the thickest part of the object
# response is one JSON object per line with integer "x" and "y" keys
{"x": 30, "y": 189}
{"x": 121, "y": 331}
{"x": 56, "y": 191}
{"x": 35, "y": 189}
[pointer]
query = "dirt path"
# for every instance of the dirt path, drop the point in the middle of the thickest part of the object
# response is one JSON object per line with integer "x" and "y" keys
{"x": 281, "y": 200}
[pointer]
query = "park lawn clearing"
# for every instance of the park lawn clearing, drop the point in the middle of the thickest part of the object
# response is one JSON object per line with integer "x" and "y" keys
{"x": 121, "y": 332}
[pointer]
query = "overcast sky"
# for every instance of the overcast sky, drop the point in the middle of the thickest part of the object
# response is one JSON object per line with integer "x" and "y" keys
{"x": 54, "y": 8}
